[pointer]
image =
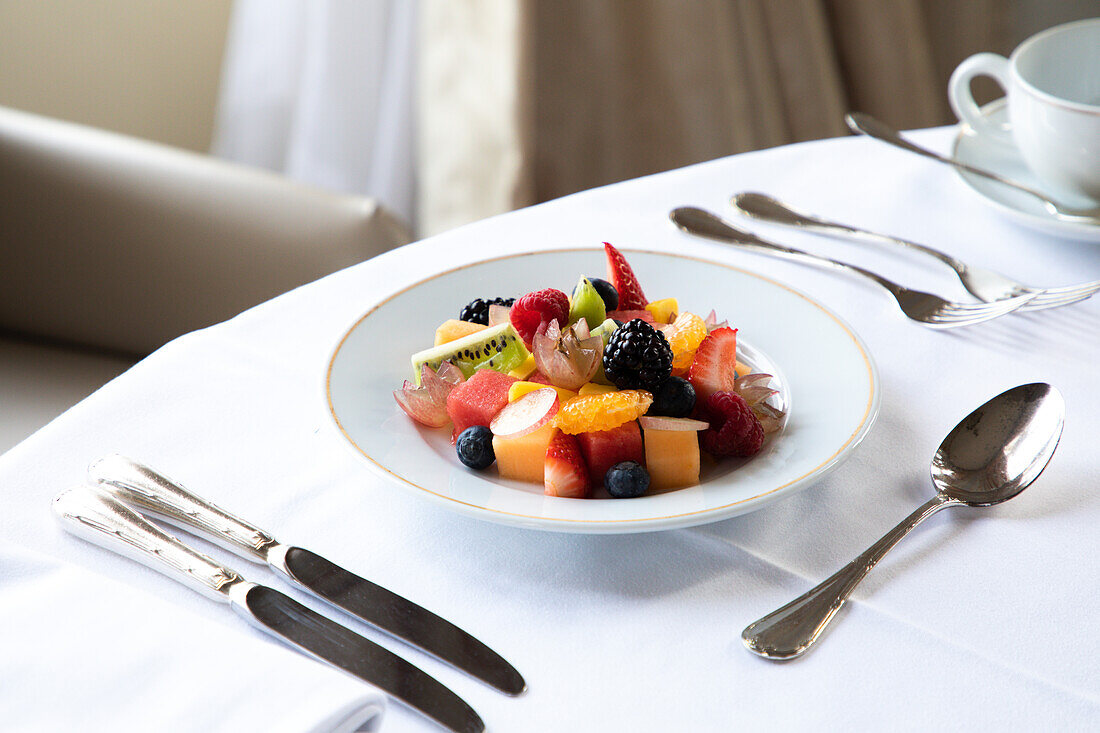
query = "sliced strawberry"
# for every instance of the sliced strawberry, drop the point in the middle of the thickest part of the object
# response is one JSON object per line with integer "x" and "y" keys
{"x": 564, "y": 473}
{"x": 713, "y": 367}
{"x": 622, "y": 277}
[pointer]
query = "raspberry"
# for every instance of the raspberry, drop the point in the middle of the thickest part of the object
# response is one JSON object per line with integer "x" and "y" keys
{"x": 602, "y": 411}
{"x": 734, "y": 429}
{"x": 533, "y": 310}
{"x": 477, "y": 310}
{"x": 637, "y": 356}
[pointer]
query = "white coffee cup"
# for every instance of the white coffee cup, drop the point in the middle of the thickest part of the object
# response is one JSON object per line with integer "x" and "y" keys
{"x": 1052, "y": 83}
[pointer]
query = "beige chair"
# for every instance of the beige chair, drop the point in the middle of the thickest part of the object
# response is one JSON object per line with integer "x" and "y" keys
{"x": 112, "y": 246}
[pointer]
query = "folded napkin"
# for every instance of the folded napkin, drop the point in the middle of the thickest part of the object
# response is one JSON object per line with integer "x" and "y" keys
{"x": 84, "y": 652}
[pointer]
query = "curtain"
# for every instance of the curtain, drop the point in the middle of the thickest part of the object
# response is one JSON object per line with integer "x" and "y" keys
{"x": 474, "y": 111}
{"x": 598, "y": 91}
{"x": 323, "y": 92}
{"x": 449, "y": 111}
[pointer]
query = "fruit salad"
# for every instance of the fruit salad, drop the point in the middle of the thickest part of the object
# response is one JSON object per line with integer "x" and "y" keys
{"x": 597, "y": 388}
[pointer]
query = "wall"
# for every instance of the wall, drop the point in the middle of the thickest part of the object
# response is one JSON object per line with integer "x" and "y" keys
{"x": 148, "y": 69}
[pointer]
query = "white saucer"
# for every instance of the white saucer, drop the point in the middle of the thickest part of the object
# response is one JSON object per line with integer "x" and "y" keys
{"x": 993, "y": 155}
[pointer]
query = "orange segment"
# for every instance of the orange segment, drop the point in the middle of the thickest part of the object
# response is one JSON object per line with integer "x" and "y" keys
{"x": 684, "y": 336}
{"x": 589, "y": 413}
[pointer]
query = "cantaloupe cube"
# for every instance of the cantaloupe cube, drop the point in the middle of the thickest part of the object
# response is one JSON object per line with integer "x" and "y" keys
{"x": 518, "y": 389}
{"x": 455, "y": 329}
{"x": 664, "y": 311}
{"x": 672, "y": 458}
{"x": 523, "y": 458}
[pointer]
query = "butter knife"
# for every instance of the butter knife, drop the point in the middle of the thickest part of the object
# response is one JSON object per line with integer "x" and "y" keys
{"x": 104, "y": 520}
{"x": 142, "y": 487}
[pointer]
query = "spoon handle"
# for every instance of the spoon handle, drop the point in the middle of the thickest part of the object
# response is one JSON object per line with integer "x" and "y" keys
{"x": 765, "y": 208}
{"x": 789, "y": 631}
{"x": 867, "y": 125}
{"x": 705, "y": 224}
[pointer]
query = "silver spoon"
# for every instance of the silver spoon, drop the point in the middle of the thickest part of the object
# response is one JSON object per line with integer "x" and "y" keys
{"x": 867, "y": 125}
{"x": 989, "y": 457}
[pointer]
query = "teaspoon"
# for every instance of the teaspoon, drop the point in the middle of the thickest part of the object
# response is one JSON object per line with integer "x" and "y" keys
{"x": 867, "y": 125}
{"x": 992, "y": 455}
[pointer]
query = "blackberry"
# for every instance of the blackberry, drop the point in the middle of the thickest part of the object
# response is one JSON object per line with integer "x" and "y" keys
{"x": 637, "y": 357}
{"x": 477, "y": 310}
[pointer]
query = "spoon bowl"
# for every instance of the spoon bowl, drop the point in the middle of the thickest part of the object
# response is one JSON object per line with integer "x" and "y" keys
{"x": 992, "y": 455}
{"x": 996, "y": 451}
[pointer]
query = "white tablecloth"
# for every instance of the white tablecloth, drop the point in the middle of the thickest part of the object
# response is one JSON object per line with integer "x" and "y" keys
{"x": 980, "y": 620}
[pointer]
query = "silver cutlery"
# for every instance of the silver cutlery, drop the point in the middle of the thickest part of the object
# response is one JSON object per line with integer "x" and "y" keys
{"x": 864, "y": 124}
{"x": 931, "y": 310}
{"x": 106, "y": 521}
{"x": 992, "y": 455}
{"x": 985, "y": 285}
{"x": 142, "y": 487}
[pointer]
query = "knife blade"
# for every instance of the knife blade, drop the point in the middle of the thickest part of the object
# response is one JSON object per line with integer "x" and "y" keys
{"x": 106, "y": 521}
{"x": 141, "y": 486}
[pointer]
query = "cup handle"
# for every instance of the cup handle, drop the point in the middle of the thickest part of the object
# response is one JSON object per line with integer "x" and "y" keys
{"x": 962, "y": 101}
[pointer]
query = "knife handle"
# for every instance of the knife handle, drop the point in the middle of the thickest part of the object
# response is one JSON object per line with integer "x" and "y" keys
{"x": 105, "y": 521}
{"x": 141, "y": 486}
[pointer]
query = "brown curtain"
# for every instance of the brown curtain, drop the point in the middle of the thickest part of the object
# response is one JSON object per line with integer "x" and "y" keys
{"x": 595, "y": 91}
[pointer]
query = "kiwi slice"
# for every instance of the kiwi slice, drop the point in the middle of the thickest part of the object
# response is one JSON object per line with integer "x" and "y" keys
{"x": 586, "y": 303}
{"x": 499, "y": 348}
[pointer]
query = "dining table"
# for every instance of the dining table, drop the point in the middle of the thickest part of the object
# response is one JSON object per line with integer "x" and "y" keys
{"x": 983, "y": 619}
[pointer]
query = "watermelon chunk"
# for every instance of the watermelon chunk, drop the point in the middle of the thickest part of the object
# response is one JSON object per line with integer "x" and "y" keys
{"x": 604, "y": 448}
{"x": 627, "y": 316}
{"x": 482, "y": 396}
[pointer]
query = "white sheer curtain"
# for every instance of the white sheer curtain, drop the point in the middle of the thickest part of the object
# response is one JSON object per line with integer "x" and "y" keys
{"x": 323, "y": 92}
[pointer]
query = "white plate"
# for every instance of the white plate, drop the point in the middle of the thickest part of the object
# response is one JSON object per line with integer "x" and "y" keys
{"x": 823, "y": 371}
{"x": 992, "y": 155}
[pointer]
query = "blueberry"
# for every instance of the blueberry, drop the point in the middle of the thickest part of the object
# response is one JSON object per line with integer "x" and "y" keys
{"x": 475, "y": 447}
{"x": 674, "y": 398}
{"x": 626, "y": 480}
{"x": 607, "y": 291}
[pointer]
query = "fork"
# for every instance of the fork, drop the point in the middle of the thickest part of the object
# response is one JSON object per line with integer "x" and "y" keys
{"x": 983, "y": 284}
{"x": 931, "y": 310}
